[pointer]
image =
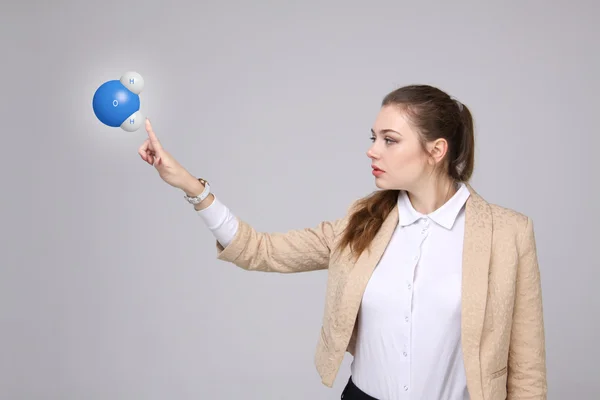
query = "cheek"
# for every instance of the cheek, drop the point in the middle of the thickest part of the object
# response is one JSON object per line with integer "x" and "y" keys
{"x": 406, "y": 158}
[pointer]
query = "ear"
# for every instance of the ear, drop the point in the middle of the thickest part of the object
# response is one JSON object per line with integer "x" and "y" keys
{"x": 438, "y": 149}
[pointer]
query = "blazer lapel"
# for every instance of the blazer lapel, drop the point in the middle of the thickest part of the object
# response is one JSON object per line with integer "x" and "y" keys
{"x": 361, "y": 271}
{"x": 476, "y": 260}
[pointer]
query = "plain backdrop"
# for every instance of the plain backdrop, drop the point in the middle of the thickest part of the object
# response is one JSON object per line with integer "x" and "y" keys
{"x": 109, "y": 283}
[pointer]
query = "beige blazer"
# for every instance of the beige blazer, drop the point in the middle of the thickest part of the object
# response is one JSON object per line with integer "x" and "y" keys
{"x": 503, "y": 339}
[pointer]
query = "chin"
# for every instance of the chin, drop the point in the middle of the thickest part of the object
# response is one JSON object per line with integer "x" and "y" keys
{"x": 381, "y": 184}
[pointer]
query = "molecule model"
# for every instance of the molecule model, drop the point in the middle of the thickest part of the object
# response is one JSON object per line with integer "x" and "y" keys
{"x": 116, "y": 103}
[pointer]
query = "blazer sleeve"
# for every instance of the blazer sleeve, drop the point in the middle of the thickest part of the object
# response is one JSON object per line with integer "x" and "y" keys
{"x": 527, "y": 354}
{"x": 298, "y": 250}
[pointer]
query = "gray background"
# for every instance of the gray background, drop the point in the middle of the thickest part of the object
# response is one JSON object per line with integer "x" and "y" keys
{"x": 109, "y": 285}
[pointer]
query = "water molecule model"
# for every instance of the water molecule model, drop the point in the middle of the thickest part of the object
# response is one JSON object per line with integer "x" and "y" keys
{"x": 116, "y": 103}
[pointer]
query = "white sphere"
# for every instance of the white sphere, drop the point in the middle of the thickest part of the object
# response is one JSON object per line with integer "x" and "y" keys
{"x": 133, "y": 122}
{"x": 133, "y": 81}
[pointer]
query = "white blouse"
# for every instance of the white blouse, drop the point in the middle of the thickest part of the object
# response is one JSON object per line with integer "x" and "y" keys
{"x": 408, "y": 343}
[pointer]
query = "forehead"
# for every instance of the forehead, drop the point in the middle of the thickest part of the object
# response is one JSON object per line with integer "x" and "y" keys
{"x": 390, "y": 117}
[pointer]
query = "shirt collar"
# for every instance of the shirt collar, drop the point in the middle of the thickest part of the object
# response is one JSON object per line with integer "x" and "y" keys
{"x": 444, "y": 216}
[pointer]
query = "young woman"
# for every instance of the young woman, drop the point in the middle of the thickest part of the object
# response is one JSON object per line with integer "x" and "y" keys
{"x": 434, "y": 291}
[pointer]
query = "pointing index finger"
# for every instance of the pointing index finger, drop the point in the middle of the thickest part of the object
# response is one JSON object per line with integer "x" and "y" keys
{"x": 152, "y": 135}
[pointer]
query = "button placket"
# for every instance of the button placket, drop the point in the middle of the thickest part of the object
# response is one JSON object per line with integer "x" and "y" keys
{"x": 425, "y": 224}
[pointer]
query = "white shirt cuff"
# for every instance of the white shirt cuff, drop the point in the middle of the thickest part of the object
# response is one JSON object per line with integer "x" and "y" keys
{"x": 220, "y": 220}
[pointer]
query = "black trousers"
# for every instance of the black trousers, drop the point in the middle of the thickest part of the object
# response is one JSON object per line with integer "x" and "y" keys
{"x": 352, "y": 392}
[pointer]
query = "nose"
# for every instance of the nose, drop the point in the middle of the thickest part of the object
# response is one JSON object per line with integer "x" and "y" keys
{"x": 371, "y": 154}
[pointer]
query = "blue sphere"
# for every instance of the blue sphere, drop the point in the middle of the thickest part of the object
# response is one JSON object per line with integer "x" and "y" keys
{"x": 113, "y": 103}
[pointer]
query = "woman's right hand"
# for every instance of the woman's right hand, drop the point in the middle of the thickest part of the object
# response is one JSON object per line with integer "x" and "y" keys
{"x": 168, "y": 168}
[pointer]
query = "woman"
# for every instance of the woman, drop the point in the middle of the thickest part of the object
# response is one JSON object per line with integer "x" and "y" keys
{"x": 433, "y": 290}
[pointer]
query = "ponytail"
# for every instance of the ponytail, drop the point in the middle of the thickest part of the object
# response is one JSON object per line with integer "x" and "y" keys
{"x": 462, "y": 158}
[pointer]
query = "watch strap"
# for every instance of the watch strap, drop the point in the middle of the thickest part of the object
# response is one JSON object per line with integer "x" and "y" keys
{"x": 197, "y": 199}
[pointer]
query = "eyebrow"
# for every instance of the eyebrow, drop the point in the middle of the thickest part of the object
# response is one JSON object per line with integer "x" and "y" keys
{"x": 384, "y": 131}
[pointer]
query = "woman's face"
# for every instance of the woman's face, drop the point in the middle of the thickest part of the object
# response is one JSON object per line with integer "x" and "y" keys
{"x": 397, "y": 153}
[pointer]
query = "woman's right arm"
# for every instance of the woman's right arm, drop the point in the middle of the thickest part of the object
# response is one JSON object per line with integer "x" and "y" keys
{"x": 237, "y": 242}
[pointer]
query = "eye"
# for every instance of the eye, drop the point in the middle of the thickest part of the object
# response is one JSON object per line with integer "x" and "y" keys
{"x": 387, "y": 140}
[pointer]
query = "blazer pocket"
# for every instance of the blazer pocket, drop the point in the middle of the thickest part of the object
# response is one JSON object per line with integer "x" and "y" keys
{"x": 499, "y": 373}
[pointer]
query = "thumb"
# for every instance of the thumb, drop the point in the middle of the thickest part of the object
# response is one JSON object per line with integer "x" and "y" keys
{"x": 157, "y": 159}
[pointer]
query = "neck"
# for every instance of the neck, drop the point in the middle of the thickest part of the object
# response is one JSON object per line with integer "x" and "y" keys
{"x": 432, "y": 195}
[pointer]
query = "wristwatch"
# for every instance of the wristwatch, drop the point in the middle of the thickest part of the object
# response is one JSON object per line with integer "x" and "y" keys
{"x": 197, "y": 199}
